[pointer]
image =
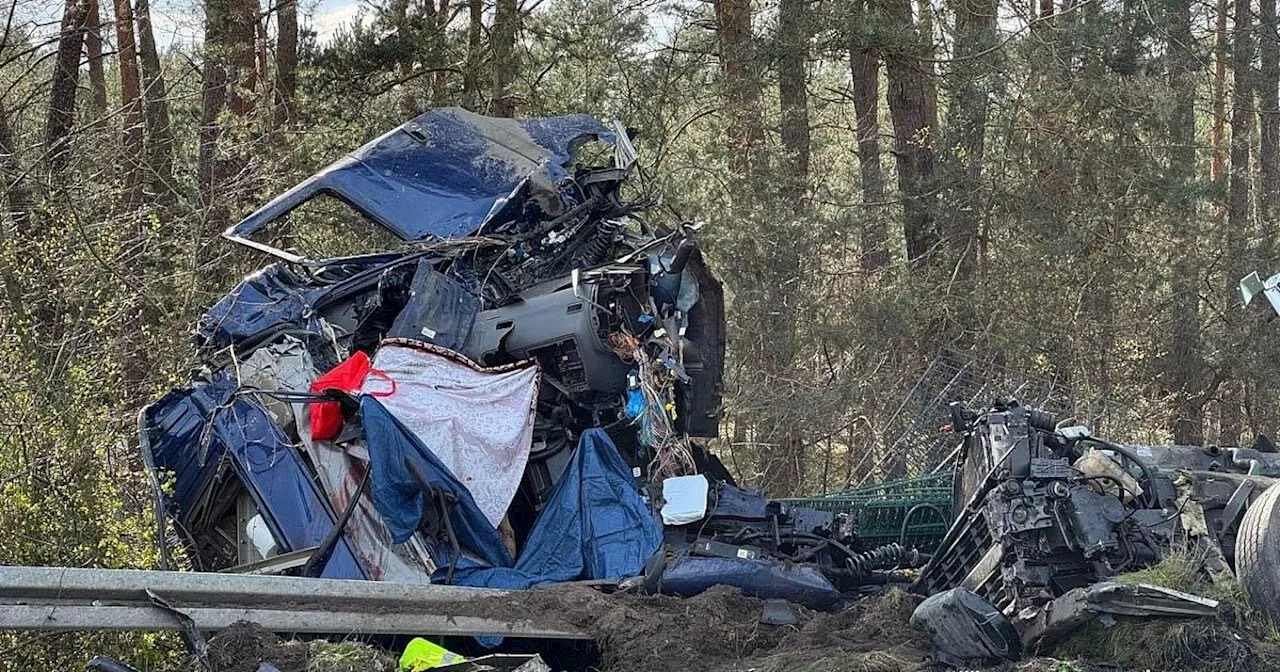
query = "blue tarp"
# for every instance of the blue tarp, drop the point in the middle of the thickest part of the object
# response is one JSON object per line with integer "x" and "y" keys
{"x": 448, "y": 172}
{"x": 398, "y": 497}
{"x": 191, "y": 430}
{"x": 595, "y": 526}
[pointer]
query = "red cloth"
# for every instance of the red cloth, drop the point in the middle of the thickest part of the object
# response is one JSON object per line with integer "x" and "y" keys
{"x": 326, "y": 416}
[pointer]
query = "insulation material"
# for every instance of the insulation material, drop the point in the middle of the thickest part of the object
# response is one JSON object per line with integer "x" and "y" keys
{"x": 477, "y": 421}
{"x": 287, "y": 366}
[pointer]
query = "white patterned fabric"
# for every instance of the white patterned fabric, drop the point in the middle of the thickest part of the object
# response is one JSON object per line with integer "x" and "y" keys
{"x": 478, "y": 421}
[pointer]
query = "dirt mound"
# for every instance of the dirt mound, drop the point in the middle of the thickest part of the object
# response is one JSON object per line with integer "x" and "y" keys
{"x": 720, "y": 631}
{"x": 244, "y": 646}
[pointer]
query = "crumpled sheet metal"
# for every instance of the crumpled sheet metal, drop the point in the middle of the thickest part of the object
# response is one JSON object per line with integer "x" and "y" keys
{"x": 191, "y": 430}
{"x": 764, "y": 577}
{"x": 266, "y": 299}
{"x": 448, "y": 173}
{"x": 1059, "y": 617}
{"x": 478, "y": 422}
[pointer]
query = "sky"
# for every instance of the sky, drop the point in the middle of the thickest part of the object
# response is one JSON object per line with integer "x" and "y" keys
{"x": 181, "y": 22}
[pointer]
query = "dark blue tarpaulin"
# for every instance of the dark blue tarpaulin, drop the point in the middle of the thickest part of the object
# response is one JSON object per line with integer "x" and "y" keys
{"x": 190, "y": 431}
{"x": 595, "y": 526}
{"x": 446, "y": 173}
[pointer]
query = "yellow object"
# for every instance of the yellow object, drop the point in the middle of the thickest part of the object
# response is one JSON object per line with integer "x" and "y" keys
{"x": 423, "y": 655}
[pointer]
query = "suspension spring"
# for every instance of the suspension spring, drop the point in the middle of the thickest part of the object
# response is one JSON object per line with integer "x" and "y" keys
{"x": 885, "y": 557}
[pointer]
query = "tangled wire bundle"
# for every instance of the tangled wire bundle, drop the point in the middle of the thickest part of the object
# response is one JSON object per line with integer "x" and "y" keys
{"x": 671, "y": 456}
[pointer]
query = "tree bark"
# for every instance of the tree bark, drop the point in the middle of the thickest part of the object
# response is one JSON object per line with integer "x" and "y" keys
{"x": 62, "y": 88}
{"x": 93, "y": 51}
{"x": 131, "y": 101}
{"x": 975, "y": 27}
{"x": 793, "y": 97}
{"x": 1242, "y": 113}
{"x": 864, "y": 62}
{"x": 928, "y": 57}
{"x": 155, "y": 95}
{"x": 502, "y": 41}
{"x": 913, "y": 143}
{"x": 475, "y": 56}
{"x": 213, "y": 97}
{"x": 1183, "y": 365}
{"x": 242, "y": 71}
{"x": 1218, "y": 134}
{"x": 1268, "y": 86}
{"x": 229, "y": 79}
{"x": 19, "y": 210}
{"x": 440, "y": 82}
{"x": 742, "y": 96}
{"x": 286, "y": 60}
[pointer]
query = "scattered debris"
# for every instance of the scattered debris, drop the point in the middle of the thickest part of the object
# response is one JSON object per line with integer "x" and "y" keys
{"x": 1047, "y": 513}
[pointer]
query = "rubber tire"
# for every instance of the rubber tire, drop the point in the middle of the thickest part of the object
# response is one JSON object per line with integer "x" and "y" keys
{"x": 1258, "y": 553}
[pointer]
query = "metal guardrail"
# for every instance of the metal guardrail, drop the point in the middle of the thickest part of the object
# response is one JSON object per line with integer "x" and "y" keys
{"x": 63, "y": 598}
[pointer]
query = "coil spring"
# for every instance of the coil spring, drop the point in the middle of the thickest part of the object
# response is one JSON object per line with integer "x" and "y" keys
{"x": 882, "y": 557}
{"x": 594, "y": 251}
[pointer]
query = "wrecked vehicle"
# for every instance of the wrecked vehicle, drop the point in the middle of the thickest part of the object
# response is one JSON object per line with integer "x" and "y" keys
{"x": 515, "y": 394}
{"x": 1046, "y": 513}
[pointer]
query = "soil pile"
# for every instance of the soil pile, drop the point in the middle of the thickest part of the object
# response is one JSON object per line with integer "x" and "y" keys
{"x": 720, "y": 631}
{"x": 245, "y": 646}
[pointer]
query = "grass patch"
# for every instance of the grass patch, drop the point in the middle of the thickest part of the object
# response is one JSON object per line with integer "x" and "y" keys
{"x": 1231, "y": 641}
{"x": 347, "y": 656}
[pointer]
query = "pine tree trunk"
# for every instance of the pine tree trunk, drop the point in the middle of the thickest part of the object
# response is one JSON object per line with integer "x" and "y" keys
{"x": 131, "y": 101}
{"x": 93, "y": 50}
{"x": 286, "y": 61}
{"x": 1217, "y": 136}
{"x": 742, "y": 96}
{"x": 975, "y": 27}
{"x": 1242, "y": 114}
{"x": 928, "y": 69}
{"x": 19, "y": 210}
{"x": 502, "y": 41}
{"x": 155, "y": 96}
{"x": 229, "y": 81}
{"x": 475, "y": 56}
{"x": 909, "y": 107}
{"x": 213, "y": 97}
{"x": 242, "y": 71}
{"x": 866, "y": 106}
{"x": 1268, "y": 86}
{"x": 440, "y": 43}
{"x": 793, "y": 37}
{"x": 62, "y": 88}
{"x": 1184, "y": 369}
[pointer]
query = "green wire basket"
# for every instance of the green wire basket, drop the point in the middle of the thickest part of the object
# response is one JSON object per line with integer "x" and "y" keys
{"x": 914, "y": 510}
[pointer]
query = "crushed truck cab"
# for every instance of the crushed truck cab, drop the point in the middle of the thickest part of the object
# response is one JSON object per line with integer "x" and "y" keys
{"x": 497, "y": 399}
